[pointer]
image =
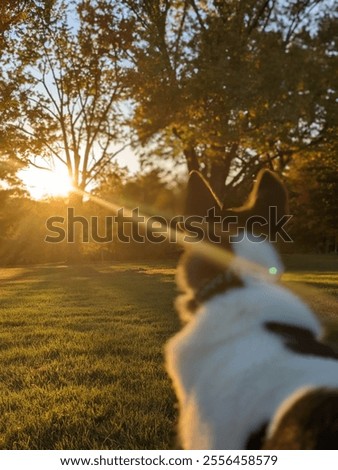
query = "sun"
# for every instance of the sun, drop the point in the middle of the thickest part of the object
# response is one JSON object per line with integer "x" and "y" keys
{"x": 43, "y": 183}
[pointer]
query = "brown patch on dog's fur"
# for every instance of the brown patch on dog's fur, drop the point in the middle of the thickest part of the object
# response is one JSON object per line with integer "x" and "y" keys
{"x": 311, "y": 423}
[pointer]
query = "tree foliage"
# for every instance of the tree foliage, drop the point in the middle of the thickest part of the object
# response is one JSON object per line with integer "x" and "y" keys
{"x": 68, "y": 82}
{"x": 16, "y": 16}
{"x": 234, "y": 85}
{"x": 314, "y": 188}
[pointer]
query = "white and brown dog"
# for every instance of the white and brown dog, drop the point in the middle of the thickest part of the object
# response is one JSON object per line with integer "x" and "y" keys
{"x": 249, "y": 368}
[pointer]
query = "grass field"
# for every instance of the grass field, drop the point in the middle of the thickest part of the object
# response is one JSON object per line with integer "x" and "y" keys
{"x": 81, "y": 363}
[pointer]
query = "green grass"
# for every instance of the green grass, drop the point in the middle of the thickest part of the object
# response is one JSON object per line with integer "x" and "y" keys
{"x": 315, "y": 279}
{"x": 81, "y": 354}
{"x": 81, "y": 357}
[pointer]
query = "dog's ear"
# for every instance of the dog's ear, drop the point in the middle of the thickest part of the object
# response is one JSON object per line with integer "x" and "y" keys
{"x": 200, "y": 196}
{"x": 268, "y": 191}
{"x": 194, "y": 270}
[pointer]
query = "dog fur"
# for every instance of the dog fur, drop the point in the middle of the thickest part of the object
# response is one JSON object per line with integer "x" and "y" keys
{"x": 249, "y": 368}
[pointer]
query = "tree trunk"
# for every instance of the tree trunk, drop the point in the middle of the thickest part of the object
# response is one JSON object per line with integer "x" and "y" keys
{"x": 218, "y": 174}
{"x": 220, "y": 164}
{"x": 191, "y": 158}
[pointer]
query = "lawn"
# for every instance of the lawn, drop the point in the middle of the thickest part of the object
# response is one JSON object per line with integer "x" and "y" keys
{"x": 81, "y": 353}
{"x": 315, "y": 279}
{"x": 81, "y": 357}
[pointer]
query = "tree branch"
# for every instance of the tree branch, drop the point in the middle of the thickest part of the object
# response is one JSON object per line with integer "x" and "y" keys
{"x": 101, "y": 162}
{"x": 180, "y": 32}
{"x": 197, "y": 13}
{"x": 260, "y": 11}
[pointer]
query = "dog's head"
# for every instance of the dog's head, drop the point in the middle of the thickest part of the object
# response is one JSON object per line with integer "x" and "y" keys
{"x": 239, "y": 234}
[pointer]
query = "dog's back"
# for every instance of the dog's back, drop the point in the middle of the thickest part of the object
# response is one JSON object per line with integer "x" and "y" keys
{"x": 249, "y": 369}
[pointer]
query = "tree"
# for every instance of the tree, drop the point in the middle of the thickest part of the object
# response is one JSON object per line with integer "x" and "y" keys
{"x": 149, "y": 191}
{"x": 13, "y": 14}
{"x": 233, "y": 85}
{"x": 314, "y": 187}
{"x": 16, "y": 16}
{"x": 68, "y": 86}
{"x": 149, "y": 194}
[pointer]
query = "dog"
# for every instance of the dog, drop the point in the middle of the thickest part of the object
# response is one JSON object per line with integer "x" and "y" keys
{"x": 249, "y": 368}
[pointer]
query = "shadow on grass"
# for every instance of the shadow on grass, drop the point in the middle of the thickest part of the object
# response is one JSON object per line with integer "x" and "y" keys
{"x": 82, "y": 358}
{"x": 81, "y": 353}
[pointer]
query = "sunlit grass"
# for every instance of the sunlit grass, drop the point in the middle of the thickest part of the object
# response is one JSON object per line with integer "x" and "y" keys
{"x": 81, "y": 354}
{"x": 81, "y": 358}
{"x": 315, "y": 279}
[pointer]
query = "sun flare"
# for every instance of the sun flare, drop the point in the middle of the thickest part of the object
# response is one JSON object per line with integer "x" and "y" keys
{"x": 42, "y": 183}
